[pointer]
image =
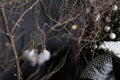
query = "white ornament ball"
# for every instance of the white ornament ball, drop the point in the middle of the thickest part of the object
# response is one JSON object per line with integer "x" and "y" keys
{"x": 115, "y": 7}
{"x": 112, "y": 35}
{"x": 107, "y": 28}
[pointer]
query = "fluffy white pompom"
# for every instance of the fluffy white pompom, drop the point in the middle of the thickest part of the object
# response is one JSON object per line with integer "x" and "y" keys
{"x": 43, "y": 56}
{"x": 112, "y": 47}
{"x": 31, "y": 56}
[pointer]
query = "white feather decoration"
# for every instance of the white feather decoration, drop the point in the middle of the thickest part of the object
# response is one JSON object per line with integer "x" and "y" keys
{"x": 111, "y": 46}
{"x": 43, "y": 56}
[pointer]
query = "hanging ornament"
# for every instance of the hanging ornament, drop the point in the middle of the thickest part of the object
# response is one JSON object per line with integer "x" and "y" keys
{"x": 112, "y": 36}
{"x": 114, "y": 7}
{"x": 25, "y": 54}
{"x": 31, "y": 55}
{"x": 107, "y": 19}
{"x": 43, "y": 56}
{"x": 74, "y": 27}
{"x": 107, "y": 28}
{"x": 112, "y": 47}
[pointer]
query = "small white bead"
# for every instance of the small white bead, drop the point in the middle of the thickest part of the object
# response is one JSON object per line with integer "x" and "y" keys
{"x": 112, "y": 35}
{"x": 107, "y": 28}
{"x": 115, "y": 7}
{"x": 15, "y": 74}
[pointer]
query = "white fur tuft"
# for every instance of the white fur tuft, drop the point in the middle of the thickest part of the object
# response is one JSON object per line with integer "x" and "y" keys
{"x": 31, "y": 56}
{"x": 44, "y": 56}
{"x": 111, "y": 46}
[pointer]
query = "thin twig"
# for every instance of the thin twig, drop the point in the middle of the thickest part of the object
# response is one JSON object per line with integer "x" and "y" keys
{"x": 22, "y": 15}
{"x": 12, "y": 42}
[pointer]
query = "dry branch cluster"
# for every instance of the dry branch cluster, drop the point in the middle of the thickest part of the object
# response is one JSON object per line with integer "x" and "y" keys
{"x": 87, "y": 16}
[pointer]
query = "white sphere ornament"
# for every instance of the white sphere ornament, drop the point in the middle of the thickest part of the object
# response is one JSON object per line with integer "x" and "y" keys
{"x": 43, "y": 56}
{"x": 119, "y": 29}
{"x": 107, "y": 28}
{"x": 114, "y": 7}
{"x": 112, "y": 36}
